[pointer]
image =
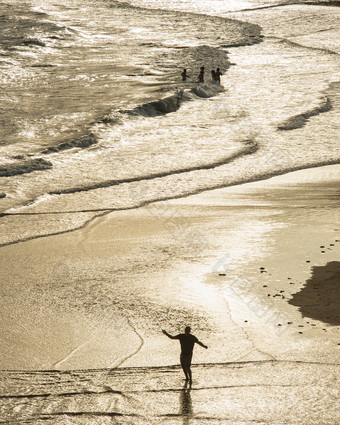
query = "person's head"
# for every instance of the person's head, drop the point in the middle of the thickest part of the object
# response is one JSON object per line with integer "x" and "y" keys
{"x": 187, "y": 330}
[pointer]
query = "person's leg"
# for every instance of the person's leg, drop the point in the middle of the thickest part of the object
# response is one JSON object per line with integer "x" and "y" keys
{"x": 183, "y": 364}
{"x": 186, "y": 366}
{"x": 189, "y": 374}
{"x": 189, "y": 368}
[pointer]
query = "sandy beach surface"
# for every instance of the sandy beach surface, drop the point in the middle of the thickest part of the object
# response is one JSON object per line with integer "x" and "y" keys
{"x": 254, "y": 269}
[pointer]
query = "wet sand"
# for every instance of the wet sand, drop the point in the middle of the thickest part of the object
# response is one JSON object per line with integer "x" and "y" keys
{"x": 229, "y": 262}
{"x": 264, "y": 392}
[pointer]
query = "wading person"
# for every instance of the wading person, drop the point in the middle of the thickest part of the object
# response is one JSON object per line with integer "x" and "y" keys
{"x": 218, "y": 74}
{"x": 201, "y": 75}
{"x": 187, "y": 345}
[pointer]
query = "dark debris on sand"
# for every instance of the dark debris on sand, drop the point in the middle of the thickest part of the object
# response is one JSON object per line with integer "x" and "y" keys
{"x": 319, "y": 299}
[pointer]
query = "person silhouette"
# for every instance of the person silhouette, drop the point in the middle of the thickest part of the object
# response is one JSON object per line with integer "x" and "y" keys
{"x": 201, "y": 75}
{"x": 184, "y": 75}
{"x": 213, "y": 75}
{"x": 187, "y": 341}
{"x": 218, "y": 74}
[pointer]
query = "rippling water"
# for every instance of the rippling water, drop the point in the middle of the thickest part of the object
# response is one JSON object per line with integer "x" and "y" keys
{"x": 94, "y": 115}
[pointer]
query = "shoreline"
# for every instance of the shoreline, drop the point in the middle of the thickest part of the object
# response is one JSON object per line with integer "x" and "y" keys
{"x": 158, "y": 395}
{"x": 144, "y": 204}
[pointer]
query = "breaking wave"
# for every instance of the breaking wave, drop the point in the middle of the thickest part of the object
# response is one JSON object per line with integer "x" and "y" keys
{"x": 80, "y": 142}
{"x": 298, "y": 121}
{"x": 23, "y": 167}
{"x": 172, "y": 103}
{"x": 249, "y": 147}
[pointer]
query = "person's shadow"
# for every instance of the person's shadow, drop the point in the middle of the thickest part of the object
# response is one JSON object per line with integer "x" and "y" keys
{"x": 185, "y": 404}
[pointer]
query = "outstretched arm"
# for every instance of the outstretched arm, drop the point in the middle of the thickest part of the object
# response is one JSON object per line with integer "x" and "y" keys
{"x": 168, "y": 335}
{"x": 201, "y": 344}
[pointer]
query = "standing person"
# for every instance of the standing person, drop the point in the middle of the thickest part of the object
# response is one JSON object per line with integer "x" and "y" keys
{"x": 187, "y": 342}
{"x": 213, "y": 75}
{"x": 218, "y": 74}
{"x": 184, "y": 75}
{"x": 201, "y": 75}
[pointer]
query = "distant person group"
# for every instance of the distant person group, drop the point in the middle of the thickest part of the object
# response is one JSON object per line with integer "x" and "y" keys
{"x": 215, "y": 75}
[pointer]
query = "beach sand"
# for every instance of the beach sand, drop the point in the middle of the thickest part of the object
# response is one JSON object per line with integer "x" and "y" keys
{"x": 254, "y": 269}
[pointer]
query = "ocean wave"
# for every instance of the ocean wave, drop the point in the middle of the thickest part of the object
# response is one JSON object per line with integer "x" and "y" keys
{"x": 154, "y": 108}
{"x": 20, "y": 27}
{"x": 173, "y": 102}
{"x": 301, "y": 46}
{"x": 207, "y": 90}
{"x": 298, "y": 121}
{"x": 334, "y": 3}
{"x": 159, "y": 107}
{"x": 249, "y": 147}
{"x": 24, "y": 167}
{"x": 249, "y": 41}
{"x": 42, "y": 66}
{"x": 32, "y": 42}
{"x": 80, "y": 142}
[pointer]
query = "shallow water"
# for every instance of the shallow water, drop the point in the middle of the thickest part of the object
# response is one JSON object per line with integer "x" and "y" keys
{"x": 231, "y": 393}
{"x": 75, "y": 136}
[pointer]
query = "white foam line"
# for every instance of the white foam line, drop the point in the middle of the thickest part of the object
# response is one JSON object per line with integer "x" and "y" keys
{"x": 72, "y": 353}
{"x": 136, "y": 351}
{"x": 94, "y": 333}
